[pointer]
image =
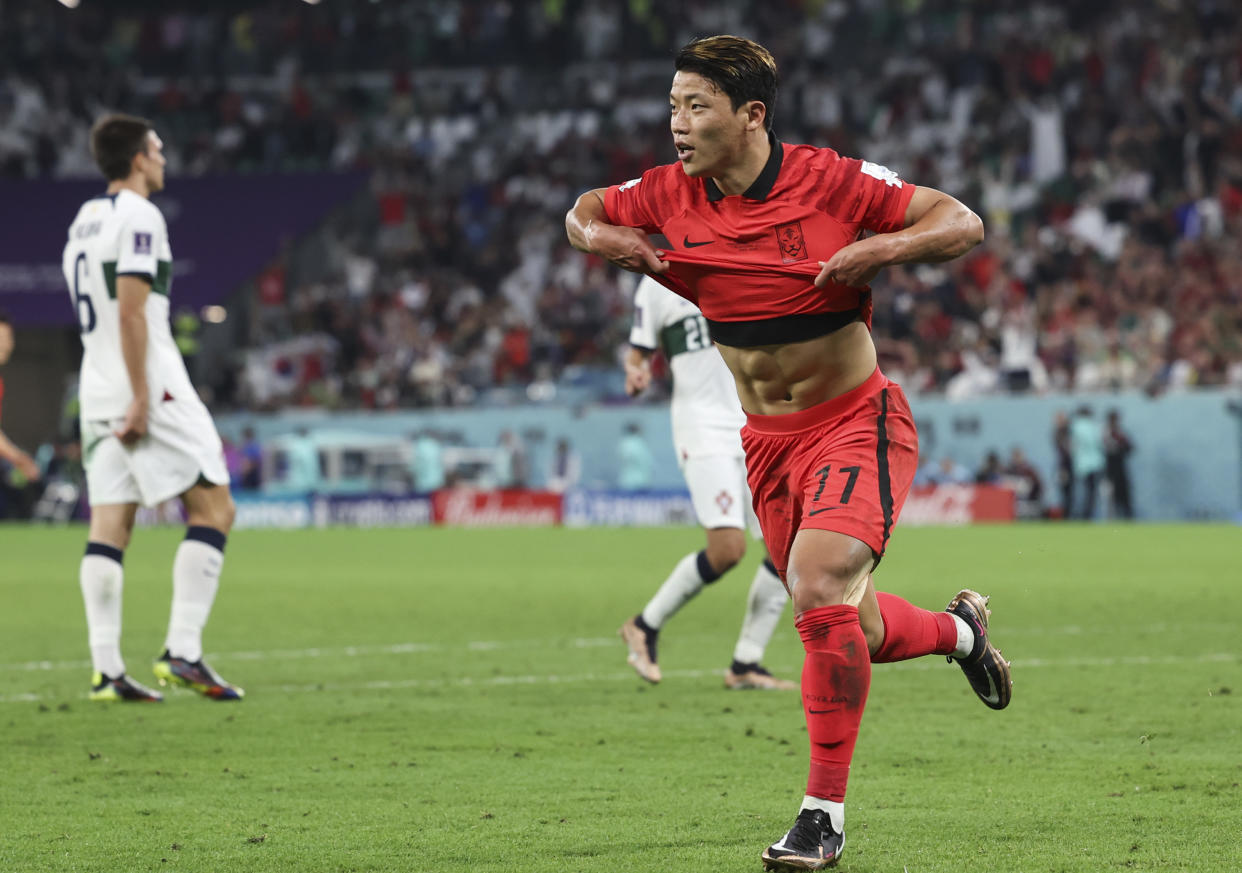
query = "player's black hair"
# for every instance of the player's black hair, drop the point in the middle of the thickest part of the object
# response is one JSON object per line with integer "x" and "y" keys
{"x": 739, "y": 67}
{"x": 115, "y": 139}
{"x": 4, "y": 317}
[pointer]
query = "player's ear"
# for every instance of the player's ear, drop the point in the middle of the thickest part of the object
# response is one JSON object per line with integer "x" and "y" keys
{"x": 756, "y": 114}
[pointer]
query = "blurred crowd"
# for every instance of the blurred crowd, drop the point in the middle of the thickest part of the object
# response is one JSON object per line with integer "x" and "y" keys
{"x": 1101, "y": 142}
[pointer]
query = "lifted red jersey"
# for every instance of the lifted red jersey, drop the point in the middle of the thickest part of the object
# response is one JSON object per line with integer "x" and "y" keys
{"x": 749, "y": 262}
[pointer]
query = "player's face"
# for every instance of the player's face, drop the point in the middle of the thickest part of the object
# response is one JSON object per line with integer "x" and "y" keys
{"x": 152, "y": 162}
{"x": 709, "y": 135}
{"x": 6, "y": 342}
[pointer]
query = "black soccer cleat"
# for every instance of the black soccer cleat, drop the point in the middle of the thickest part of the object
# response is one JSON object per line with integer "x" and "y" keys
{"x": 811, "y": 844}
{"x": 122, "y": 689}
{"x": 195, "y": 675}
{"x": 985, "y": 668}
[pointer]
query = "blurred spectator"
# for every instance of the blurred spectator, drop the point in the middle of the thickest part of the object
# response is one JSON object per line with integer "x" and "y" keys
{"x": 427, "y": 463}
{"x": 511, "y": 464}
{"x": 302, "y": 475}
{"x": 635, "y": 463}
{"x": 1087, "y": 447}
{"x": 1117, "y": 449}
{"x": 1028, "y": 486}
{"x": 251, "y": 461}
{"x": 990, "y": 473}
{"x": 1064, "y": 448}
{"x": 949, "y": 472}
{"x": 565, "y": 470}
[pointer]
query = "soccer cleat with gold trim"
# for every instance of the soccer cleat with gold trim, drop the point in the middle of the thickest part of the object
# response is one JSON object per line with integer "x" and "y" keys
{"x": 642, "y": 645}
{"x": 985, "y": 667}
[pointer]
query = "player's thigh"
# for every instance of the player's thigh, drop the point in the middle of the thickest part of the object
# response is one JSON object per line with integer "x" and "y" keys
{"x": 181, "y": 449}
{"x": 827, "y": 568}
{"x": 112, "y": 524}
{"x": 718, "y": 491}
{"x": 108, "y": 465}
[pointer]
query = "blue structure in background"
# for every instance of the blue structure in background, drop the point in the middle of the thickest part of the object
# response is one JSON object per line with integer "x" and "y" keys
{"x": 1187, "y": 463}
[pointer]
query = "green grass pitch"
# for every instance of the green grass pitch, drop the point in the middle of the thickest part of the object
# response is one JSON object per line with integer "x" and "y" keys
{"x": 457, "y": 700}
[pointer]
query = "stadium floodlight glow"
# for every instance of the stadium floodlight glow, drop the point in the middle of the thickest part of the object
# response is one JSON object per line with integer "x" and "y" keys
{"x": 311, "y": 2}
{"x": 70, "y": 4}
{"x": 215, "y": 314}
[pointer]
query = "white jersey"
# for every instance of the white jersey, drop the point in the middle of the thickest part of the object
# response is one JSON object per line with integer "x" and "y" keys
{"x": 115, "y": 235}
{"x": 707, "y": 416}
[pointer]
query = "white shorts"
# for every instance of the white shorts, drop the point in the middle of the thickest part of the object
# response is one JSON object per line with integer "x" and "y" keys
{"x": 181, "y": 446}
{"x": 719, "y": 492}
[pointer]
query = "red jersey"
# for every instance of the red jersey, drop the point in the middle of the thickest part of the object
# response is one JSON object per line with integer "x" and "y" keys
{"x": 749, "y": 262}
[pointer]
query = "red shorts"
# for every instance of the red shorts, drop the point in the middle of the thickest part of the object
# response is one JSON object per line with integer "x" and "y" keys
{"x": 843, "y": 465}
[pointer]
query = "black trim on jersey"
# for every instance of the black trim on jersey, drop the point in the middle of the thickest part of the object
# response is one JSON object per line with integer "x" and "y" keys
{"x": 643, "y": 348}
{"x": 881, "y": 468}
{"x": 780, "y": 330}
{"x": 762, "y": 186}
{"x": 150, "y": 277}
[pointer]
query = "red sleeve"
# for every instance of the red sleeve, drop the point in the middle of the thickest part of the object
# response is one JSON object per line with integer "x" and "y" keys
{"x": 877, "y": 198}
{"x": 642, "y": 202}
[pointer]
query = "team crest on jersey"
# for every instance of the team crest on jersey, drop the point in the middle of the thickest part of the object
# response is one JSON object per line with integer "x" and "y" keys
{"x": 724, "y": 500}
{"x": 142, "y": 243}
{"x": 792, "y": 243}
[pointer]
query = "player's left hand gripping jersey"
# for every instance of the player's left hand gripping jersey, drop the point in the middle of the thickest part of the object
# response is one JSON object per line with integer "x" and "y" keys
{"x": 121, "y": 235}
{"x": 706, "y": 414}
{"x": 749, "y": 262}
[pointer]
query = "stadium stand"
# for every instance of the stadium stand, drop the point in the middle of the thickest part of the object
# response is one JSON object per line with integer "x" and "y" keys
{"x": 1102, "y": 143}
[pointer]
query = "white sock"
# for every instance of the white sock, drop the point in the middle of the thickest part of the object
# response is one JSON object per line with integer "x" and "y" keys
{"x": 676, "y": 591}
{"x": 102, "y": 580}
{"x": 196, "y": 576}
{"x": 835, "y": 810}
{"x": 965, "y": 637}
{"x": 764, "y": 606}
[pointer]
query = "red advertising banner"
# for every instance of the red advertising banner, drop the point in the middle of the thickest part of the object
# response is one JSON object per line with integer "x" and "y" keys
{"x": 466, "y": 507}
{"x": 958, "y": 504}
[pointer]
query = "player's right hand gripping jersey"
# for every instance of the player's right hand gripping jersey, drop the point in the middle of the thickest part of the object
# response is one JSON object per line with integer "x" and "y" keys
{"x": 121, "y": 235}
{"x": 707, "y": 416}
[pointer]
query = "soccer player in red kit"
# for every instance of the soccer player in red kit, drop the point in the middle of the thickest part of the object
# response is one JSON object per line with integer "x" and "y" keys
{"x": 767, "y": 239}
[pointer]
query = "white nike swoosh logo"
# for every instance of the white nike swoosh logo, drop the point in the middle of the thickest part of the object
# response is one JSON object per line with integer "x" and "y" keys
{"x": 992, "y": 695}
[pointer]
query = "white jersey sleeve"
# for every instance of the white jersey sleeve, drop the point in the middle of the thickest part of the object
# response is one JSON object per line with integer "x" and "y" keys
{"x": 143, "y": 238}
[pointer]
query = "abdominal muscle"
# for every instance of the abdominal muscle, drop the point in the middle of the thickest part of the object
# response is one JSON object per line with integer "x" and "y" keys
{"x": 779, "y": 379}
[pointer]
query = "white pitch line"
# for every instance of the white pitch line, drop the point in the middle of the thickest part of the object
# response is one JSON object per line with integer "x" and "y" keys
{"x": 344, "y": 652}
{"x": 628, "y": 676}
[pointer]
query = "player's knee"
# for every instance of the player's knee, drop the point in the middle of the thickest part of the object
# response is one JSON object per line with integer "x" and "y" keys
{"x": 227, "y": 512}
{"x": 725, "y": 549}
{"x": 825, "y": 582}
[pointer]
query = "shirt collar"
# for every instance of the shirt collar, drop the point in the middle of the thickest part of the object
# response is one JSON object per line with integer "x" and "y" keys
{"x": 762, "y": 186}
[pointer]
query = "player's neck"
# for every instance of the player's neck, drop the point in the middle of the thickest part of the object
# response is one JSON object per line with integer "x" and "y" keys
{"x": 741, "y": 175}
{"x": 135, "y": 183}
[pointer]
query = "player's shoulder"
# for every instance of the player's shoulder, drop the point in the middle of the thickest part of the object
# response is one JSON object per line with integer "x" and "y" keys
{"x": 664, "y": 176}
{"x": 821, "y": 161}
{"x": 134, "y": 206}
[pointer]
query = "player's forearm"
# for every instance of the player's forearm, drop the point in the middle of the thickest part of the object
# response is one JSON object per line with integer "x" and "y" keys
{"x": 946, "y": 231}
{"x": 636, "y": 357}
{"x": 134, "y": 351}
{"x": 588, "y": 208}
{"x": 10, "y": 452}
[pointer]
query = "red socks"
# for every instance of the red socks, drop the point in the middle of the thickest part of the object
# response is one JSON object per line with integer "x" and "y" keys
{"x": 835, "y": 678}
{"x": 910, "y": 632}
